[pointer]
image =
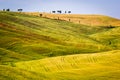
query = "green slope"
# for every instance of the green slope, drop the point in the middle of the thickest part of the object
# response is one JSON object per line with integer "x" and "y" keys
{"x": 10, "y": 73}
{"x": 96, "y": 66}
{"x": 25, "y": 40}
{"x": 37, "y": 37}
{"x": 110, "y": 38}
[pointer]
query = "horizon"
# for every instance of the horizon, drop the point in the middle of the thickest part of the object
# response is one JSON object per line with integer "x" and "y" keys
{"x": 108, "y": 8}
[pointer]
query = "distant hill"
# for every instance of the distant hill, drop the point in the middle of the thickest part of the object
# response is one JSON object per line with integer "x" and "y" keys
{"x": 90, "y": 20}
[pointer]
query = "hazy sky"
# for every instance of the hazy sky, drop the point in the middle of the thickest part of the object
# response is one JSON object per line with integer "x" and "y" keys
{"x": 105, "y": 7}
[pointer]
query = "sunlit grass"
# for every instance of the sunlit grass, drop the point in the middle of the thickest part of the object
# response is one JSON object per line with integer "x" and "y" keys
{"x": 87, "y": 66}
{"x": 41, "y": 37}
{"x": 36, "y": 48}
{"x": 90, "y": 20}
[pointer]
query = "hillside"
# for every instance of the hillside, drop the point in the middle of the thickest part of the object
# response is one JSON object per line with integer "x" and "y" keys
{"x": 97, "y": 66}
{"x": 90, "y": 20}
{"x": 33, "y": 37}
{"x": 88, "y": 66}
{"x": 28, "y": 42}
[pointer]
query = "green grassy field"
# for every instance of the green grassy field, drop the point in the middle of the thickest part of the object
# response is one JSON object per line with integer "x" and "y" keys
{"x": 98, "y": 66}
{"x": 36, "y": 48}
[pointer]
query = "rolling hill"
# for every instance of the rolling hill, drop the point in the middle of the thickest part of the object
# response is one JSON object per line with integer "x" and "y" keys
{"x": 96, "y": 66}
{"x": 85, "y": 19}
{"x": 38, "y": 48}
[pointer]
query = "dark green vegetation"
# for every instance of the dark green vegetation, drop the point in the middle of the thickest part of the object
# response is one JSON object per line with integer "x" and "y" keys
{"x": 26, "y": 38}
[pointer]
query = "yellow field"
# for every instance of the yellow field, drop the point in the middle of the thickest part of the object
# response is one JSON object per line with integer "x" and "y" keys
{"x": 96, "y": 66}
{"x": 90, "y": 20}
{"x": 45, "y": 48}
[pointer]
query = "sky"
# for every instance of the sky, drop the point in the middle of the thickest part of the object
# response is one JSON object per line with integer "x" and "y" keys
{"x": 103, "y": 7}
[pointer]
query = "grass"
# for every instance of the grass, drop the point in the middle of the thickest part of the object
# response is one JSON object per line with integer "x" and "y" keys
{"x": 37, "y": 48}
{"x": 75, "y": 67}
{"x": 110, "y": 37}
{"x": 41, "y": 37}
{"x": 90, "y": 20}
{"x": 98, "y": 66}
{"x": 11, "y": 73}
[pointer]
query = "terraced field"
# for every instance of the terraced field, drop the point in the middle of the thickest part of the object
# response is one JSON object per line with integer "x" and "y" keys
{"x": 38, "y": 48}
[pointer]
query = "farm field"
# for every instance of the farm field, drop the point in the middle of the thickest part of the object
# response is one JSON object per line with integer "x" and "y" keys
{"x": 82, "y": 66}
{"x": 39, "y": 48}
{"x": 85, "y": 19}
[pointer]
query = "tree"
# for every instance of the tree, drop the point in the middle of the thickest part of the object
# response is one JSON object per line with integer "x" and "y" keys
{"x": 3, "y": 9}
{"x": 53, "y": 11}
{"x": 59, "y": 11}
{"x": 7, "y": 9}
{"x": 20, "y": 10}
{"x": 65, "y": 12}
{"x": 41, "y": 15}
{"x": 69, "y": 11}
